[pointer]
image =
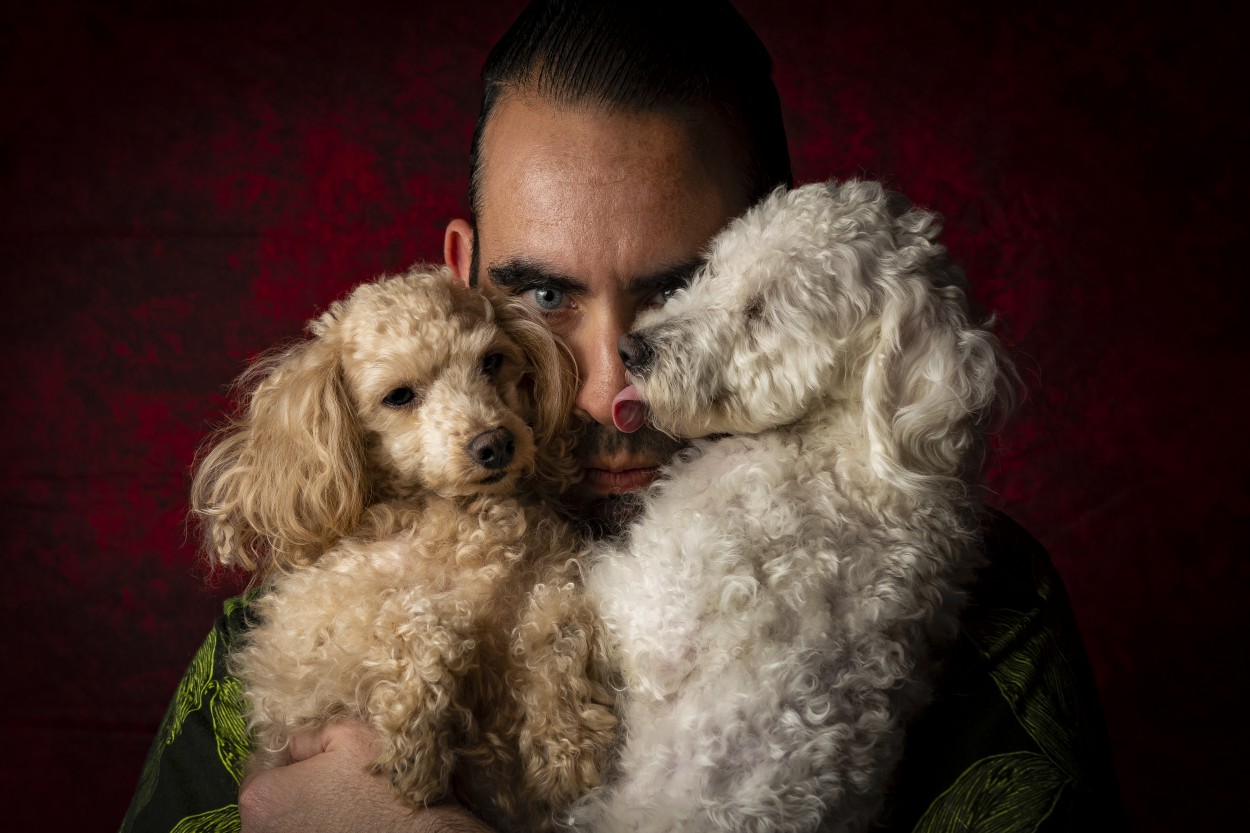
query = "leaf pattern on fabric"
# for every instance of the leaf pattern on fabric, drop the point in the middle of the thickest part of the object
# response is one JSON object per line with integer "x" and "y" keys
{"x": 1027, "y": 658}
{"x": 195, "y": 683}
{"x": 1010, "y": 793}
{"x": 238, "y": 602}
{"x": 229, "y": 726}
{"x": 1035, "y": 678}
{"x": 222, "y": 820}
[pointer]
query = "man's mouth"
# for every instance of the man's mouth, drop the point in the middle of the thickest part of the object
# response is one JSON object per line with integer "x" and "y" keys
{"x": 616, "y": 481}
{"x": 616, "y": 463}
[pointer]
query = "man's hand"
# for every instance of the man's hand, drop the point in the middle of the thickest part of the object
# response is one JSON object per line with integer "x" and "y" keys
{"x": 330, "y": 787}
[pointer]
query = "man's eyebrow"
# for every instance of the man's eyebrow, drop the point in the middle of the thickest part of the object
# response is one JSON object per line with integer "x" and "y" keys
{"x": 520, "y": 274}
{"x": 669, "y": 277}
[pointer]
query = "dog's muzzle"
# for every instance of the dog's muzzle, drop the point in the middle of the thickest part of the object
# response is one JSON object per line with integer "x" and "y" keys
{"x": 492, "y": 449}
{"x": 636, "y": 353}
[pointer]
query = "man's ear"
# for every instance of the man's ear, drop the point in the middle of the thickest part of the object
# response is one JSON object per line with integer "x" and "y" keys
{"x": 458, "y": 249}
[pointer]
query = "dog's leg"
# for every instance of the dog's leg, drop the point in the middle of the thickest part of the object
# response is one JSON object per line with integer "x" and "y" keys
{"x": 559, "y": 668}
{"x": 414, "y": 703}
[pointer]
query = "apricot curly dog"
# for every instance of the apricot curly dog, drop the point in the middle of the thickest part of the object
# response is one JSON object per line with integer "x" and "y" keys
{"x": 391, "y": 481}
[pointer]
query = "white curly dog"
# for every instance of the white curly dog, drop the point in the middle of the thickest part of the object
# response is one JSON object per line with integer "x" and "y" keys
{"x": 777, "y": 609}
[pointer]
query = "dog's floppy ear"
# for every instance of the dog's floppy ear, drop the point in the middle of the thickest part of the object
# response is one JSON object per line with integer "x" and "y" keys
{"x": 551, "y": 384}
{"x": 287, "y": 478}
{"x": 933, "y": 380}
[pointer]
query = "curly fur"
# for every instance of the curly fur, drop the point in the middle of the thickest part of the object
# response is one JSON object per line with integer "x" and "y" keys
{"x": 407, "y": 581}
{"x": 778, "y": 607}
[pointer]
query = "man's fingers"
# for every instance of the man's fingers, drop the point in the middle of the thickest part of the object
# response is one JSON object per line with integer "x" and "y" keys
{"x": 308, "y": 744}
{"x": 349, "y": 737}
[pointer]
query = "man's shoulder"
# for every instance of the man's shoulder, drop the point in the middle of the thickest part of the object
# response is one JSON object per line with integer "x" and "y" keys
{"x": 195, "y": 763}
{"x": 236, "y": 616}
{"x": 1015, "y": 731}
{"x": 1018, "y": 568}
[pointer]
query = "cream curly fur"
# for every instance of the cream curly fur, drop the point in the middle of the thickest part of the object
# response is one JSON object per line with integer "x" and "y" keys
{"x": 409, "y": 579}
{"x": 777, "y": 608}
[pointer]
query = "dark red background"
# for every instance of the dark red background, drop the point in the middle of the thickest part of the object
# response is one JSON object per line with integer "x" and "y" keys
{"x": 184, "y": 183}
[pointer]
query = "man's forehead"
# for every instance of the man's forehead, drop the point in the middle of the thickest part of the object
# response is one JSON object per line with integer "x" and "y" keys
{"x": 585, "y": 193}
{"x": 677, "y": 139}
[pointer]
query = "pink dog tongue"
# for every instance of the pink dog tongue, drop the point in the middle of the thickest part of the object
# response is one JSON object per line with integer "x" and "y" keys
{"x": 629, "y": 412}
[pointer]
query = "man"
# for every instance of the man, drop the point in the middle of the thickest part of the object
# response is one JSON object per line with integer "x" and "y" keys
{"x": 615, "y": 140}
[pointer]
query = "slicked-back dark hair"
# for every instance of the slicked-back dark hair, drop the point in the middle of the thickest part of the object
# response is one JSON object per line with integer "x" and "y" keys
{"x": 641, "y": 56}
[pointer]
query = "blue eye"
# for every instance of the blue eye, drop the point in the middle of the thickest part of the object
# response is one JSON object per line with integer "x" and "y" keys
{"x": 548, "y": 297}
{"x": 662, "y": 297}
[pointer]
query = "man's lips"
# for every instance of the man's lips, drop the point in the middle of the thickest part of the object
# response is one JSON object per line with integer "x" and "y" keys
{"x": 621, "y": 480}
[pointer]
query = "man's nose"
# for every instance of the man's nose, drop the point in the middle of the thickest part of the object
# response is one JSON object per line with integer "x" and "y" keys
{"x": 601, "y": 370}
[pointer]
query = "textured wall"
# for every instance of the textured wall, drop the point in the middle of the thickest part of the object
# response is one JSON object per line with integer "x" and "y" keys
{"x": 184, "y": 183}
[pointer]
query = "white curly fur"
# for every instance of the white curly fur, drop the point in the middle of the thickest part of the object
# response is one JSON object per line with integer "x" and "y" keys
{"x": 410, "y": 581}
{"x": 776, "y": 609}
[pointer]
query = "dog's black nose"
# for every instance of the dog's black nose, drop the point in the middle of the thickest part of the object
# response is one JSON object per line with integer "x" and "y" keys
{"x": 493, "y": 449}
{"x": 636, "y": 353}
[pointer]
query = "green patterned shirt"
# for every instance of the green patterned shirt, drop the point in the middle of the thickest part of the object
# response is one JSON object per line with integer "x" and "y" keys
{"x": 1014, "y": 741}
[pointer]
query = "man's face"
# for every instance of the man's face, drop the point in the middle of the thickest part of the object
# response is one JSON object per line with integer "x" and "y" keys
{"x": 590, "y": 218}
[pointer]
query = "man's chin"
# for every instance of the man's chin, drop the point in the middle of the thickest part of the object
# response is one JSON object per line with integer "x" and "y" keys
{"x": 605, "y": 514}
{"x": 616, "y": 469}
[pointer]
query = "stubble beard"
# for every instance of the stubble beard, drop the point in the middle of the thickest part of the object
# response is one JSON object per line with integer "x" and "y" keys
{"x": 606, "y": 515}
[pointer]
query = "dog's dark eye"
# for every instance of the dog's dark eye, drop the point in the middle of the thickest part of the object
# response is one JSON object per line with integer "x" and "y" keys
{"x": 399, "y": 397}
{"x": 491, "y": 364}
{"x": 755, "y": 308}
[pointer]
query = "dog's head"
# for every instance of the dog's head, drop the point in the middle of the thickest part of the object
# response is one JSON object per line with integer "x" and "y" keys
{"x": 827, "y": 300}
{"x": 411, "y": 384}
